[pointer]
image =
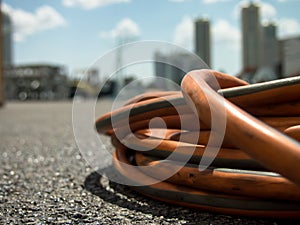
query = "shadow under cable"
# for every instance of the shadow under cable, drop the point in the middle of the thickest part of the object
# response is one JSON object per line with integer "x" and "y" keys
{"x": 125, "y": 197}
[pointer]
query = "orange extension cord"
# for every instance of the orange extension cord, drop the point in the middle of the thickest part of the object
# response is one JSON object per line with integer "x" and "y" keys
{"x": 253, "y": 131}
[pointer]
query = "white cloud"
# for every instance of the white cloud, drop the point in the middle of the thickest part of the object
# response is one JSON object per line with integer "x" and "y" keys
{"x": 223, "y": 32}
{"x": 125, "y": 29}
{"x": 214, "y": 1}
{"x": 288, "y": 27}
{"x": 27, "y": 23}
{"x": 91, "y": 4}
{"x": 177, "y": 1}
{"x": 268, "y": 11}
{"x": 184, "y": 33}
{"x": 226, "y": 46}
{"x": 203, "y": 1}
{"x": 283, "y": 1}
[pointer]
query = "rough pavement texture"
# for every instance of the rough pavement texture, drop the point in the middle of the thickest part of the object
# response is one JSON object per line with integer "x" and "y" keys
{"x": 43, "y": 178}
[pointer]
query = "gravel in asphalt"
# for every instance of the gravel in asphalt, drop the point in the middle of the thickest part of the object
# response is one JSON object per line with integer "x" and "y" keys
{"x": 45, "y": 180}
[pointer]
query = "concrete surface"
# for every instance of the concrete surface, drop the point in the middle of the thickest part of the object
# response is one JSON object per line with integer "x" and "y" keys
{"x": 44, "y": 180}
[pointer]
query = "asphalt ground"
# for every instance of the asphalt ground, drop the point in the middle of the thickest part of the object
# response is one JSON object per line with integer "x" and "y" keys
{"x": 45, "y": 180}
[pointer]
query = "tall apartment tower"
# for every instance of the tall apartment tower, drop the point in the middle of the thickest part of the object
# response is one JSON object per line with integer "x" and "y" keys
{"x": 290, "y": 56}
{"x": 251, "y": 37}
{"x": 202, "y": 40}
{"x": 2, "y": 99}
{"x": 270, "y": 49}
{"x": 7, "y": 31}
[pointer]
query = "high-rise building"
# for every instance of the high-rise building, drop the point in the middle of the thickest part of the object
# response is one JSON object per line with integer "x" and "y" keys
{"x": 270, "y": 49}
{"x": 269, "y": 65}
{"x": 290, "y": 56}
{"x": 202, "y": 40}
{"x": 7, "y": 30}
{"x": 2, "y": 98}
{"x": 175, "y": 65}
{"x": 251, "y": 37}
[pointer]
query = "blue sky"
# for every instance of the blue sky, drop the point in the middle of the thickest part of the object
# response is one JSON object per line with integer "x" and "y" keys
{"x": 75, "y": 33}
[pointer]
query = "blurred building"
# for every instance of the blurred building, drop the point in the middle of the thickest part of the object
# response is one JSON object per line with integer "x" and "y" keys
{"x": 87, "y": 83}
{"x": 6, "y": 50}
{"x": 261, "y": 48}
{"x": 270, "y": 48}
{"x": 168, "y": 70}
{"x": 269, "y": 68}
{"x": 202, "y": 40}
{"x": 93, "y": 76}
{"x": 2, "y": 99}
{"x": 290, "y": 56}
{"x": 175, "y": 65}
{"x": 36, "y": 82}
{"x": 7, "y": 32}
{"x": 251, "y": 37}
